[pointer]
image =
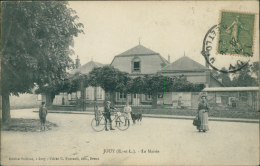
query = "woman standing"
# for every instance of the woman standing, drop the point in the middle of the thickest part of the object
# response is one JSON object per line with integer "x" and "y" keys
{"x": 203, "y": 114}
{"x": 127, "y": 110}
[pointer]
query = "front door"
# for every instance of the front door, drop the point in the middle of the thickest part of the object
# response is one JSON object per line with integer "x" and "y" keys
{"x": 136, "y": 99}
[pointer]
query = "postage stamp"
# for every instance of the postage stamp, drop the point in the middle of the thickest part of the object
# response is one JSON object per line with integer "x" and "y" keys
{"x": 209, "y": 43}
{"x": 236, "y": 33}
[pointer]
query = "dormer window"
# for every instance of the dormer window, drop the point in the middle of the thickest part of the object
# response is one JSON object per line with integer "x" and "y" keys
{"x": 136, "y": 65}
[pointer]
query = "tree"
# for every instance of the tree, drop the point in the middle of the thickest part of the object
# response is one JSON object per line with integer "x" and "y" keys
{"x": 69, "y": 84}
{"x": 181, "y": 84}
{"x": 244, "y": 78}
{"x": 110, "y": 79}
{"x": 255, "y": 69}
{"x": 36, "y": 41}
{"x": 153, "y": 84}
{"x": 225, "y": 78}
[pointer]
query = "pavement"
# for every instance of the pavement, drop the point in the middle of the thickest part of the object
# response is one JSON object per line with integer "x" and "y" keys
{"x": 156, "y": 141}
{"x": 163, "y": 116}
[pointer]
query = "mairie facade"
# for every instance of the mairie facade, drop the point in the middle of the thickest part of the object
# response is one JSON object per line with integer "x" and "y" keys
{"x": 139, "y": 61}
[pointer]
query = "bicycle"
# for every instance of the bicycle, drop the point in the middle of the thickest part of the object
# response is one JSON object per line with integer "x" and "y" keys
{"x": 122, "y": 122}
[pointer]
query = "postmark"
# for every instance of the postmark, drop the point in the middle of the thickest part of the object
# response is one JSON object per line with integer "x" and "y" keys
{"x": 232, "y": 53}
{"x": 236, "y": 33}
{"x": 211, "y": 57}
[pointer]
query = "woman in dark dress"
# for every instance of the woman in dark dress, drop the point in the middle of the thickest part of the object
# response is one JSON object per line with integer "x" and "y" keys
{"x": 203, "y": 110}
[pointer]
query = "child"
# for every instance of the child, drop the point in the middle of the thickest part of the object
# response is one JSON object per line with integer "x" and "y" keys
{"x": 127, "y": 110}
{"x": 42, "y": 114}
{"x": 97, "y": 113}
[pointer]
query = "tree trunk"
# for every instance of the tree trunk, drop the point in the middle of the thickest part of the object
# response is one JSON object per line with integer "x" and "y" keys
{"x": 112, "y": 98}
{"x": 83, "y": 96}
{"x": 154, "y": 100}
{"x": 49, "y": 99}
{"x": 95, "y": 97}
{"x": 127, "y": 99}
{"x": 6, "y": 106}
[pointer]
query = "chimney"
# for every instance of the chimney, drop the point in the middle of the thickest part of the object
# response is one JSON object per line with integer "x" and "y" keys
{"x": 77, "y": 62}
{"x": 169, "y": 58}
{"x": 220, "y": 80}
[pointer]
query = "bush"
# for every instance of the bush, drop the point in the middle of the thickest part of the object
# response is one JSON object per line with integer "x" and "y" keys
{"x": 229, "y": 113}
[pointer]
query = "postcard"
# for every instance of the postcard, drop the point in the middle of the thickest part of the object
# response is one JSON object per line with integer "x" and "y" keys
{"x": 130, "y": 83}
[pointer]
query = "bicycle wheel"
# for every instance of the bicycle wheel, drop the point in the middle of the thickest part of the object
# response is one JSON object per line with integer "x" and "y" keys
{"x": 98, "y": 124}
{"x": 122, "y": 123}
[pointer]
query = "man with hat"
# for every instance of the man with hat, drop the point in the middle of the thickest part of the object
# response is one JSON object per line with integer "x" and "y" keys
{"x": 107, "y": 114}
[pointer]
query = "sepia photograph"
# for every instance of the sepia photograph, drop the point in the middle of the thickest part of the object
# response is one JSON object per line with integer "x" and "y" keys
{"x": 129, "y": 83}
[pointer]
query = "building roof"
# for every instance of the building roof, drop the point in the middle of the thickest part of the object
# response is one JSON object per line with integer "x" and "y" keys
{"x": 217, "y": 80}
{"x": 138, "y": 50}
{"x": 185, "y": 64}
{"x": 164, "y": 60}
{"x": 224, "y": 89}
{"x": 151, "y": 61}
{"x": 85, "y": 69}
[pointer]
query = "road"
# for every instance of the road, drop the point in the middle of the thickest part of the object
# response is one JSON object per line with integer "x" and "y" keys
{"x": 173, "y": 141}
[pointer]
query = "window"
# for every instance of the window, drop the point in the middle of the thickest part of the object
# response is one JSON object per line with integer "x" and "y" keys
{"x": 160, "y": 95}
{"x": 99, "y": 92}
{"x": 243, "y": 96}
{"x": 78, "y": 94}
{"x": 148, "y": 97}
{"x": 136, "y": 65}
{"x": 73, "y": 96}
{"x": 122, "y": 95}
{"x": 87, "y": 93}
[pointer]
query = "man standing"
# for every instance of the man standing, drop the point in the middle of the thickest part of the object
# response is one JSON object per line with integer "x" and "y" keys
{"x": 42, "y": 115}
{"x": 107, "y": 114}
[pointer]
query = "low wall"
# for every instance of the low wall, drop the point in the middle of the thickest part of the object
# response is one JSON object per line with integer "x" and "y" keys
{"x": 223, "y": 113}
{"x": 62, "y": 107}
{"x": 24, "y": 101}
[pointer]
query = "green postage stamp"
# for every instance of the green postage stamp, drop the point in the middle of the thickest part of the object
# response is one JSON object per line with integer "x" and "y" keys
{"x": 236, "y": 33}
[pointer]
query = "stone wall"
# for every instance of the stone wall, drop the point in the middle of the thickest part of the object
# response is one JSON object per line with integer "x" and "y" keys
{"x": 24, "y": 101}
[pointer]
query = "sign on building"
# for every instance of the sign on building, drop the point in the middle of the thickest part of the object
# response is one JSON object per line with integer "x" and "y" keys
{"x": 185, "y": 99}
{"x": 181, "y": 99}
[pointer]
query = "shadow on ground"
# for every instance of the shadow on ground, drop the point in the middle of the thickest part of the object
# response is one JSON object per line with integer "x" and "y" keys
{"x": 26, "y": 125}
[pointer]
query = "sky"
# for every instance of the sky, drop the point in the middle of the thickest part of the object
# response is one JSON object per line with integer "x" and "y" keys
{"x": 169, "y": 28}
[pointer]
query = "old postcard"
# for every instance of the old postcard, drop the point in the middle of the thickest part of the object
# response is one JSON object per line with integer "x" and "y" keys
{"x": 130, "y": 83}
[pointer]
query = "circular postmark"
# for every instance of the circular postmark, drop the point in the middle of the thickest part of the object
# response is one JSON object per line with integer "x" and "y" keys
{"x": 220, "y": 59}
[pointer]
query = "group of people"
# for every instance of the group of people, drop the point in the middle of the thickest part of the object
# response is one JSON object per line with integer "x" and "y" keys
{"x": 107, "y": 114}
{"x": 202, "y": 114}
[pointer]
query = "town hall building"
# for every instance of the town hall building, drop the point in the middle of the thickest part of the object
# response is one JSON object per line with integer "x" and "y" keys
{"x": 139, "y": 61}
